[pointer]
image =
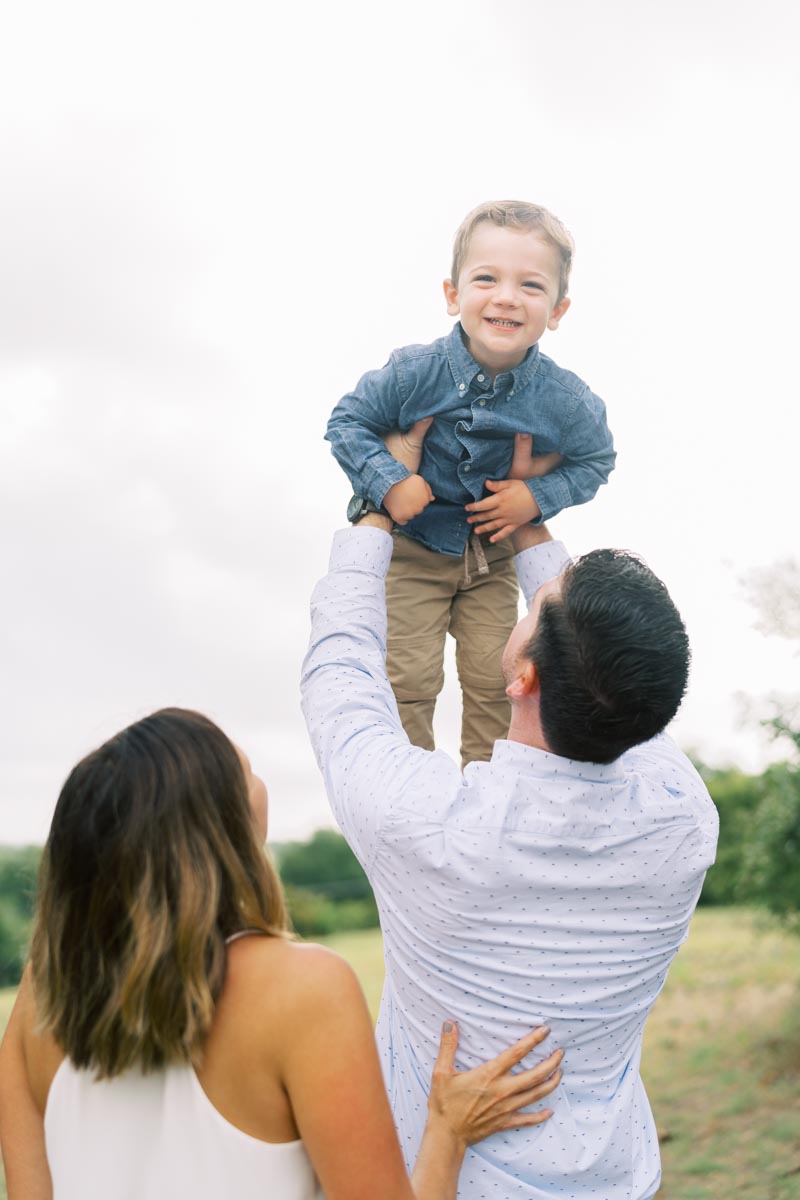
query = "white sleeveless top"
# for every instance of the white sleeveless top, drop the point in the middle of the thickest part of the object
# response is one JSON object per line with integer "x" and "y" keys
{"x": 159, "y": 1137}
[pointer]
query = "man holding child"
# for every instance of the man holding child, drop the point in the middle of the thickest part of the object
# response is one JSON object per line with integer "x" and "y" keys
{"x": 554, "y": 883}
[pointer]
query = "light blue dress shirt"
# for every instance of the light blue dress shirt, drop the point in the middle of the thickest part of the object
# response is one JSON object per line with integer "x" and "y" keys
{"x": 528, "y": 890}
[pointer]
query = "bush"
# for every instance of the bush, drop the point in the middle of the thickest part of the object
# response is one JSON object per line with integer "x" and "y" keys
{"x": 326, "y": 888}
{"x": 18, "y": 870}
{"x": 314, "y": 915}
{"x": 737, "y": 796}
{"x": 771, "y": 855}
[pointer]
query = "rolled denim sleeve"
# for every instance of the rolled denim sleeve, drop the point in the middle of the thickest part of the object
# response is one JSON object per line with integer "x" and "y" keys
{"x": 356, "y": 429}
{"x": 588, "y": 450}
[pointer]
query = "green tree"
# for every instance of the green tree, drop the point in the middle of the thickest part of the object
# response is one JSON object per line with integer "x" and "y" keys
{"x": 18, "y": 870}
{"x": 771, "y": 860}
{"x": 326, "y": 888}
{"x": 737, "y": 796}
{"x": 325, "y": 864}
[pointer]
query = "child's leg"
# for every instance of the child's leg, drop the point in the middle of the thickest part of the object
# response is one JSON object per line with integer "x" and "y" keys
{"x": 419, "y": 590}
{"x": 484, "y": 612}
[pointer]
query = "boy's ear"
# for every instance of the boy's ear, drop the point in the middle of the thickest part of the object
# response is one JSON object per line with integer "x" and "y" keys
{"x": 558, "y": 313}
{"x": 525, "y": 684}
{"x": 451, "y": 297}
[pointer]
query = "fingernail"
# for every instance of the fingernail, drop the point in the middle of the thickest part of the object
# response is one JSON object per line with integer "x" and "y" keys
{"x": 448, "y": 1027}
{"x": 546, "y": 1030}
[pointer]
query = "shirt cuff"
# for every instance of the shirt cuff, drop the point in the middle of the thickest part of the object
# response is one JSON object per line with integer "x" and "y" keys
{"x": 538, "y": 565}
{"x": 552, "y": 495}
{"x": 380, "y": 475}
{"x": 362, "y": 549}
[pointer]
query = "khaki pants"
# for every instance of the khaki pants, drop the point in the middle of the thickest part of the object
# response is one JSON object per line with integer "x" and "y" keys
{"x": 427, "y": 598}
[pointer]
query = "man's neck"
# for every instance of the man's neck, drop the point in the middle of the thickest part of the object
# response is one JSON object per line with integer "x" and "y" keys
{"x": 526, "y": 728}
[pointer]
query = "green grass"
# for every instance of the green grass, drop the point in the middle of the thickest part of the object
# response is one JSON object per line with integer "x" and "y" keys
{"x": 7, "y": 996}
{"x": 721, "y": 1059}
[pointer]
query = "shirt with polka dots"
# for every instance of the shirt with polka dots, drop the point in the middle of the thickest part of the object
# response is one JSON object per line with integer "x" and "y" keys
{"x": 528, "y": 890}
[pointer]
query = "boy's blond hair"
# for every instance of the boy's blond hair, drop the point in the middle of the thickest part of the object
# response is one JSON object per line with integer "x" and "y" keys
{"x": 516, "y": 214}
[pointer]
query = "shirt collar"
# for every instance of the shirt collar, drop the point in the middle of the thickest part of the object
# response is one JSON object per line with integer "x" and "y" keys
{"x": 542, "y": 762}
{"x": 464, "y": 367}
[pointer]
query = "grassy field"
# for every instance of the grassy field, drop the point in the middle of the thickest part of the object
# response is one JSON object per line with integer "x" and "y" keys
{"x": 721, "y": 1060}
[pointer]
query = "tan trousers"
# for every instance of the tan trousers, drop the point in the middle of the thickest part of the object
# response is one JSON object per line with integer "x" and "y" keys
{"x": 427, "y": 598}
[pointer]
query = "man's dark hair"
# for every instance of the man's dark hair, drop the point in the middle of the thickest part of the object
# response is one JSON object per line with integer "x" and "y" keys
{"x": 612, "y": 656}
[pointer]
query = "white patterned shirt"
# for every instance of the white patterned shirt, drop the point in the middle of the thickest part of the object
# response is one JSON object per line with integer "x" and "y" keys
{"x": 528, "y": 890}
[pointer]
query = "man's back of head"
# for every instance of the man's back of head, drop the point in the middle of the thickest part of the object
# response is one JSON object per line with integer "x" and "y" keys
{"x": 612, "y": 657}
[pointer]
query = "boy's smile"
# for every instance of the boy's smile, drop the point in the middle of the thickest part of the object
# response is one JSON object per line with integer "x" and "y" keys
{"x": 506, "y": 294}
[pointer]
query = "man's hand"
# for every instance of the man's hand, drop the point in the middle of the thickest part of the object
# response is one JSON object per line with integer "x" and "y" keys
{"x": 510, "y": 506}
{"x": 408, "y": 498}
{"x": 407, "y": 447}
{"x": 527, "y": 465}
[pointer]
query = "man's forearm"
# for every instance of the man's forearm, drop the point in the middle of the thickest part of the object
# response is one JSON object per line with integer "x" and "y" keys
{"x": 527, "y": 536}
{"x": 375, "y": 521}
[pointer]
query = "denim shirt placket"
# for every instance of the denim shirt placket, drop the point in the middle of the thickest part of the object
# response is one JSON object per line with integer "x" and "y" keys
{"x": 483, "y": 394}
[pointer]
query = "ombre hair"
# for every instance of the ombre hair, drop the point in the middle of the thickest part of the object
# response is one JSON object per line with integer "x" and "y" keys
{"x": 152, "y": 861}
{"x": 516, "y": 214}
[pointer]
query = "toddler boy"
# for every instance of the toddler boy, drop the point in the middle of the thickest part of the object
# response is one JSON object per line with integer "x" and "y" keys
{"x": 487, "y": 381}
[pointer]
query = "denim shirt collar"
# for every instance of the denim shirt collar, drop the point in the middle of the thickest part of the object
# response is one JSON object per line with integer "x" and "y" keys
{"x": 464, "y": 367}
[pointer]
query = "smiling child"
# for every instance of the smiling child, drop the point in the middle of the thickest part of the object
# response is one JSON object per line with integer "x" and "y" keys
{"x": 483, "y": 384}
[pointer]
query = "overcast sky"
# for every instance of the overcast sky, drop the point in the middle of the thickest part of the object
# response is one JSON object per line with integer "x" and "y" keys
{"x": 215, "y": 218}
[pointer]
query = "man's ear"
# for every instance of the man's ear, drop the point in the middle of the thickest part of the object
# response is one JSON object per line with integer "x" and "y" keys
{"x": 451, "y": 297}
{"x": 525, "y": 684}
{"x": 558, "y": 313}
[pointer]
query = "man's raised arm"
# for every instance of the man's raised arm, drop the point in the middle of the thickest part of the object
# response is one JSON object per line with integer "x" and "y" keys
{"x": 361, "y": 747}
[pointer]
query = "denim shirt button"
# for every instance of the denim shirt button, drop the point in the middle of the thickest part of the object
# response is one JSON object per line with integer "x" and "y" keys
{"x": 482, "y": 403}
{"x": 481, "y": 378}
{"x": 467, "y": 468}
{"x": 462, "y": 387}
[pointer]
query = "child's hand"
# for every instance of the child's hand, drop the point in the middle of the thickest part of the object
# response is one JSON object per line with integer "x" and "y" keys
{"x": 527, "y": 465}
{"x": 408, "y": 498}
{"x": 511, "y": 505}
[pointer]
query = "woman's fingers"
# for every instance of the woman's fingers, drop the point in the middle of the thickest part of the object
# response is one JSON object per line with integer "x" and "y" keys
{"x": 448, "y": 1044}
{"x": 534, "y": 1075}
{"x": 520, "y": 1120}
{"x": 521, "y": 1099}
{"x": 515, "y": 1053}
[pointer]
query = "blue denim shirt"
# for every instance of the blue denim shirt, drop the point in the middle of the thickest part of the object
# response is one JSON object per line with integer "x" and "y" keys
{"x": 472, "y": 435}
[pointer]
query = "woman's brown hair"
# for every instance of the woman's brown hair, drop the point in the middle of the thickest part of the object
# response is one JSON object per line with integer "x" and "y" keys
{"x": 152, "y": 861}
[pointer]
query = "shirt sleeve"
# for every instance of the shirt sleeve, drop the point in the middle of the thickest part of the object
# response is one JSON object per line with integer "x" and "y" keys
{"x": 539, "y": 565}
{"x": 356, "y": 429}
{"x": 588, "y": 450}
{"x": 366, "y": 759}
{"x": 660, "y": 759}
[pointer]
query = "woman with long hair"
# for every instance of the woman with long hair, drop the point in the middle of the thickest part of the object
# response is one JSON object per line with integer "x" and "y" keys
{"x": 170, "y": 1039}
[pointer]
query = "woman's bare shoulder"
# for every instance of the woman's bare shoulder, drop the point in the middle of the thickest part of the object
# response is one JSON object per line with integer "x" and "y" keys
{"x": 277, "y": 995}
{"x": 282, "y": 969}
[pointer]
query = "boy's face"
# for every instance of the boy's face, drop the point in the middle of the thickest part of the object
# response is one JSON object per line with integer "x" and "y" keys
{"x": 505, "y": 294}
